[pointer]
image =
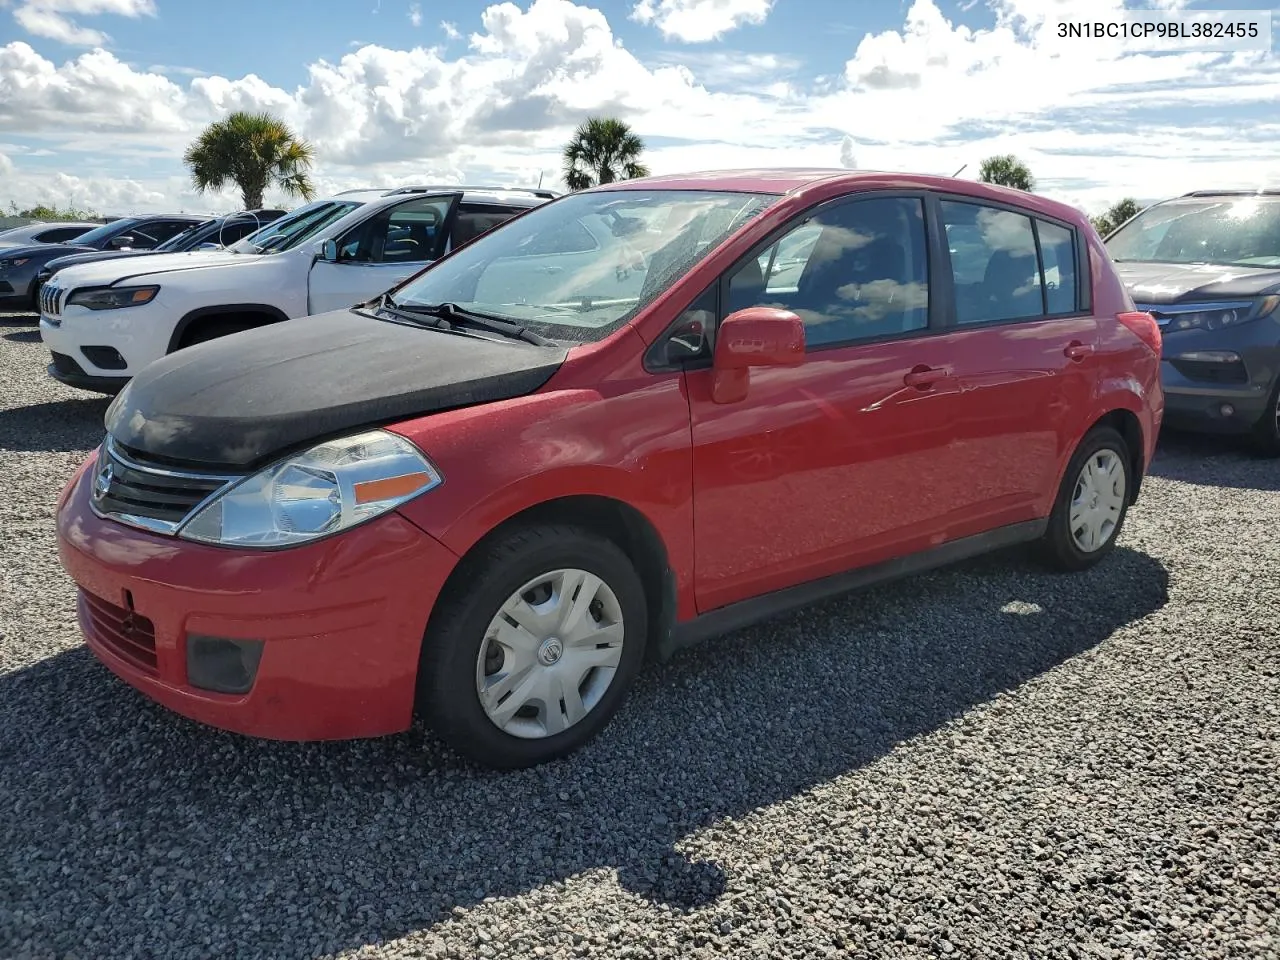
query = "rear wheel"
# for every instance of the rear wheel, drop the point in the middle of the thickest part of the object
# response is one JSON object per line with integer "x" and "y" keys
{"x": 534, "y": 655}
{"x": 1092, "y": 502}
{"x": 1266, "y": 432}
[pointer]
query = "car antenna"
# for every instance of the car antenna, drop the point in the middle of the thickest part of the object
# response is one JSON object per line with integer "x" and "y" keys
{"x": 960, "y": 171}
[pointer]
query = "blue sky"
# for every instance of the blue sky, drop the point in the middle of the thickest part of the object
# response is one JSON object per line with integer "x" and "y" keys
{"x": 98, "y": 98}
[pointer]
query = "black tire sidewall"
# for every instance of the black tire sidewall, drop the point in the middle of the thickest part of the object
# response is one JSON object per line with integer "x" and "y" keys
{"x": 451, "y": 646}
{"x": 1266, "y": 432}
{"x": 1058, "y": 536}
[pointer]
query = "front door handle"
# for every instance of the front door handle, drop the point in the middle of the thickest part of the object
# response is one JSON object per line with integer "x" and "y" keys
{"x": 1077, "y": 351}
{"x": 922, "y": 378}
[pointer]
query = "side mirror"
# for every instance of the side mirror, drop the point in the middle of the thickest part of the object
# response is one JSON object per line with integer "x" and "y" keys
{"x": 327, "y": 250}
{"x": 754, "y": 337}
{"x": 209, "y": 246}
{"x": 120, "y": 243}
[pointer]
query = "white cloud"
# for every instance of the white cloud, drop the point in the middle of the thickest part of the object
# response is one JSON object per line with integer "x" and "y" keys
{"x": 53, "y": 18}
{"x": 415, "y": 14}
{"x": 450, "y": 30}
{"x": 698, "y": 21}
{"x": 929, "y": 96}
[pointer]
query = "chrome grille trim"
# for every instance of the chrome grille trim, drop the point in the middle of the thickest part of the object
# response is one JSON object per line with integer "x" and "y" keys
{"x": 50, "y": 300}
{"x": 151, "y": 497}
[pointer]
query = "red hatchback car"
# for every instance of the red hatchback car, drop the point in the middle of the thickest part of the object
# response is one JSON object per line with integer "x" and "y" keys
{"x": 631, "y": 417}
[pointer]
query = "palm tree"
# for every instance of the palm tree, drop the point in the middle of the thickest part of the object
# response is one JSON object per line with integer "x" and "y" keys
{"x": 1118, "y": 214}
{"x": 1006, "y": 170}
{"x": 254, "y": 151}
{"x": 602, "y": 150}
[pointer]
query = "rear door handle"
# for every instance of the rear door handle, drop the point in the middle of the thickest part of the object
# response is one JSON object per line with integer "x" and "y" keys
{"x": 1077, "y": 351}
{"x": 922, "y": 378}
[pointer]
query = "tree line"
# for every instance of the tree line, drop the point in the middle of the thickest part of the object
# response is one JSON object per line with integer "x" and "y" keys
{"x": 255, "y": 151}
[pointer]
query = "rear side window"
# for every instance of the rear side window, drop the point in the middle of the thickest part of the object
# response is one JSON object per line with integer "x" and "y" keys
{"x": 1058, "y": 250}
{"x": 59, "y": 234}
{"x": 472, "y": 221}
{"x": 1008, "y": 266}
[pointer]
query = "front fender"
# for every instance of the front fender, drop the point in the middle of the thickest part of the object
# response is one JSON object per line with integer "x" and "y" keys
{"x": 628, "y": 442}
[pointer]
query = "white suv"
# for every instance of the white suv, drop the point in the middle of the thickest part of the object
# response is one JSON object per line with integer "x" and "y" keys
{"x": 103, "y": 322}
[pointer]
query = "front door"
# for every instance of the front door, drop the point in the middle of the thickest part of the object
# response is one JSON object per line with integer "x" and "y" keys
{"x": 845, "y": 459}
{"x": 378, "y": 253}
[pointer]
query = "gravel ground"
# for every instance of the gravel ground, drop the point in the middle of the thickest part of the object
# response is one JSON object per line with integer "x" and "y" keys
{"x": 989, "y": 761}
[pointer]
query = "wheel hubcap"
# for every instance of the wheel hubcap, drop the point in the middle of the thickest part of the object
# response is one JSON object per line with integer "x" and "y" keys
{"x": 550, "y": 654}
{"x": 1098, "y": 501}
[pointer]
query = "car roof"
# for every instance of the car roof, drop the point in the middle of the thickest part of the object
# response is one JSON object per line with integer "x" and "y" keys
{"x": 798, "y": 181}
{"x": 515, "y": 196}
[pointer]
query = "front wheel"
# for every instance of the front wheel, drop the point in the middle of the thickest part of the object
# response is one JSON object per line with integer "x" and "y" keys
{"x": 1266, "y": 432}
{"x": 1092, "y": 503}
{"x": 534, "y": 654}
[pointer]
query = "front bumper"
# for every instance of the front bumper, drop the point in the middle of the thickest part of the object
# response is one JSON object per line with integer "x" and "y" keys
{"x": 1220, "y": 395}
{"x": 107, "y": 345}
{"x": 340, "y": 621}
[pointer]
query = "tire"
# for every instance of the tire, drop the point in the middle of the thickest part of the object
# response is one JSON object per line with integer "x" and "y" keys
{"x": 1060, "y": 548}
{"x": 1266, "y": 432}
{"x": 213, "y": 330}
{"x": 451, "y": 670}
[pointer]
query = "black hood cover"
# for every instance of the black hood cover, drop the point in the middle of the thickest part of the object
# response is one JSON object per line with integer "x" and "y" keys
{"x": 1167, "y": 283}
{"x": 243, "y": 400}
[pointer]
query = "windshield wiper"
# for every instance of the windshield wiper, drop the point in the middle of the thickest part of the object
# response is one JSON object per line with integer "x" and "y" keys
{"x": 453, "y": 314}
{"x": 386, "y": 305}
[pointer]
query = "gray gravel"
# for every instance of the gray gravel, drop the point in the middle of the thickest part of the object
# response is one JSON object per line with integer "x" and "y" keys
{"x": 989, "y": 761}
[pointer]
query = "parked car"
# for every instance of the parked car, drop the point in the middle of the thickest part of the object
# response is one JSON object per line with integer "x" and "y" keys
{"x": 493, "y": 506}
{"x": 1207, "y": 266}
{"x": 323, "y": 256}
{"x": 212, "y": 234}
{"x": 20, "y": 264}
{"x": 60, "y": 232}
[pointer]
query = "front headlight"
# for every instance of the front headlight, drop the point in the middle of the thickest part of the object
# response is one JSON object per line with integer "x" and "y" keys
{"x": 327, "y": 489}
{"x": 16, "y": 262}
{"x": 1221, "y": 319}
{"x": 113, "y": 298}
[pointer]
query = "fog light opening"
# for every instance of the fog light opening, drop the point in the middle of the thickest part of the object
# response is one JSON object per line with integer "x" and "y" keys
{"x": 1227, "y": 410}
{"x": 221, "y": 665}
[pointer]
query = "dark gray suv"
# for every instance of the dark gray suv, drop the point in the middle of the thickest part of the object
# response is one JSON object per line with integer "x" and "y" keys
{"x": 1207, "y": 265}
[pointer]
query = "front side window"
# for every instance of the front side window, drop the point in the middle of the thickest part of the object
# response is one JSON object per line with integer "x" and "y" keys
{"x": 1233, "y": 231}
{"x": 407, "y": 233}
{"x": 155, "y": 232}
{"x": 102, "y": 234}
{"x": 472, "y": 221}
{"x": 855, "y": 271}
{"x": 296, "y": 228}
{"x": 579, "y": 267}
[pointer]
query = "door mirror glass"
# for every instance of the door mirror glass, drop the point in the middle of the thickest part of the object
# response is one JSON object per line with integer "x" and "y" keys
{"x": 329, "y": 251}
{"x": 121, "y": 243}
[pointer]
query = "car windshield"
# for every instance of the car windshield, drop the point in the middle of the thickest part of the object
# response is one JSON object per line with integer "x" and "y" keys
{"x": 579, "y": 267}
{"x": 1234, "y": 231}
{"x": 106, "y": 231}
{"x": 299, "y": 226}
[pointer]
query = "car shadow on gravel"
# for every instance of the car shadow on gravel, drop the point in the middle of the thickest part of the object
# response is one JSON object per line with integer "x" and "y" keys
{"x": 20, "y": 320}
{"x": 151, "y": 829}
{"x": 57, "y": 426}
{"x": 23, "y": 336}
{"x": 1213, "y": 461}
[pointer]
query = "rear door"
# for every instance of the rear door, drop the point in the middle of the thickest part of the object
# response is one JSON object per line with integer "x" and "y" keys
{"x": 1021, "y": 341}
{"x": 380, "y": 251}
